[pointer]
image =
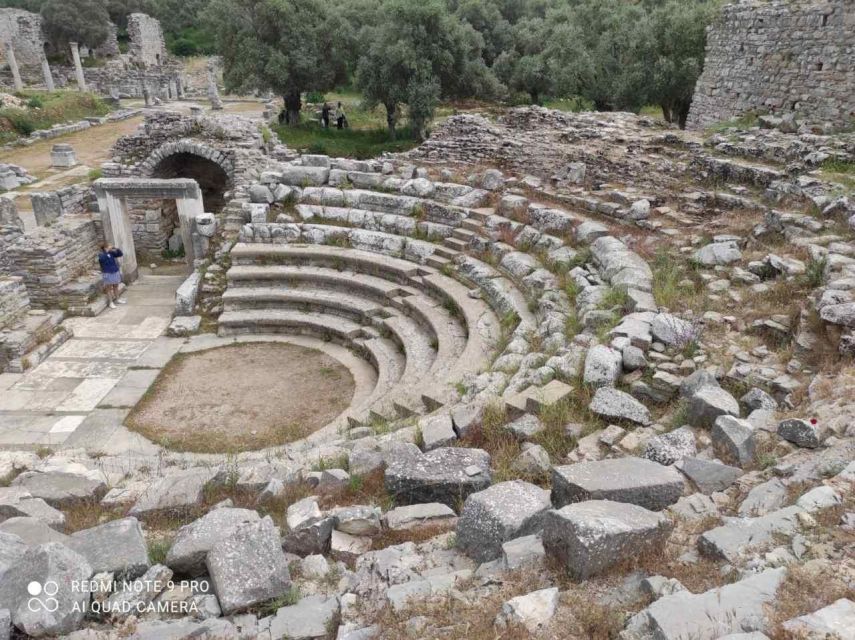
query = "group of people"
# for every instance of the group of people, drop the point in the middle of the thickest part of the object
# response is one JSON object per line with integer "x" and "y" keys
{"x": 339, "y": 116}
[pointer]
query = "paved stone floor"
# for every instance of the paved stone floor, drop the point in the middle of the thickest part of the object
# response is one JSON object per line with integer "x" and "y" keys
{"x": 79, "y": 396}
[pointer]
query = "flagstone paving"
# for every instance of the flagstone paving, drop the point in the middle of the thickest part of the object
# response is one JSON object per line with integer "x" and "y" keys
{"x": 80, "y": 395}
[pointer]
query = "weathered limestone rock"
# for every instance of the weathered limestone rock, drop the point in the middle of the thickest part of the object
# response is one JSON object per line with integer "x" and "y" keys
{"x": 709, "y": 475}
{"x": 417, "y": 515}
{"x": 127, "y": 600}
{"x": 741, "y": 535}
{"x": 801, "y": 433}
{"x": 589, "y": 537}
{"x": 194, "y": 541}
{"x": 718, "y": 253}
{"x": 710, "y": 615}
{"x": 42, "y": 564}
{"x": 357, "y": 520}
{"x": 533, "y": 461}
{"x": 17, "y": 502}
{"x": 765, "y": 497}
{"x": 522, "y": 551}
{"x": 503, "y": 511}
{"x": 309, "y": 530}
{"x": 32, "y": 530}
{"x": 248, "y": 567}
{"x": 437, "y": 431}
{"x": 185, "y": 296}
{"x": 177, "y": 490}
{"x": 710, "y": 402}
{"x": 758, "y": 399}
{"x": 603, "y": 366}
{"x": 12, "y": 548}
{"x": 671, "y": 330}
{"x": 837, "y": 620}
{"x": 671, "y": 447}
{"x": 634, "y": 480}
{"x": 533, "y": 610}
{"x": 819, "y": 498}
{"x": 735, "y": 438}
{"x": 117, "y": 547}
{"x": 443, "y": 475}
{"x": 613, "y": 404}
{"x": 308, "y": 619}
{"x": 60, "y": 489}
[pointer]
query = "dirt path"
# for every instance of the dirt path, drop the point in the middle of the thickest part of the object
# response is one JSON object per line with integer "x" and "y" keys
{"x": 242, "y": 397}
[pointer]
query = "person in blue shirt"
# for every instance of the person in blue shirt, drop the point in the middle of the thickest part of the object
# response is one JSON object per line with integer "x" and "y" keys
{"x": 111, "y": 274}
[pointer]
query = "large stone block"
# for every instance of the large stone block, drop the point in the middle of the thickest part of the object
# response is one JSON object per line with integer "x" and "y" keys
{"x": 634, "y": 480}
{"x": 590, "y": 537}
{"x": 117, "y": 547}
{"x": 503, "y": 511}
{"x": 248, "y": 566}
{"x": 190, "y": 548}
{"x": 56, "y": 613}
{"x": 444, "y": 475}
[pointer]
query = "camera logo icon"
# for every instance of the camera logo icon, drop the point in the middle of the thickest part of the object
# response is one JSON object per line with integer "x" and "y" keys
{"x": 43, "y": 596}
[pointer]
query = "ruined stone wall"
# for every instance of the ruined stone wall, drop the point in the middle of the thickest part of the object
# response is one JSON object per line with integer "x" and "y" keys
{"x": 24, "y": 30}
{"x": 146, "y": 46}
{"x": 152, "y": 222}
{"x": 777, "y": 57}
{"x": 14, "y": 301}
{"x": 50, "y": 258}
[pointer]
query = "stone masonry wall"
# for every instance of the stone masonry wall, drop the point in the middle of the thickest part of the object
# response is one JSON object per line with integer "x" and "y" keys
{"x": 152, "y": 222}
{"x": 146, "y": 46}
{"x": 24, "y": 30}
{"x": 49, "y": 258}
{"x": 14, "y": 301}
{"x": 778, "y": 57}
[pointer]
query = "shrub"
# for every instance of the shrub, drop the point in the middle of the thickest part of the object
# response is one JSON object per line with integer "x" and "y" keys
{"x": 35, "y": 103}
{"x": 315, "y": 97}
{"x": 184, "y": 47}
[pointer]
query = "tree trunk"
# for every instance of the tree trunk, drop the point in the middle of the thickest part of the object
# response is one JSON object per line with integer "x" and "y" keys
{"x": 391, "y": 119}
{"x": 666, "y": 113}
{"x": 292, "y": 107}
{"x": 535, "y": 97}
{"x": 682, "y": 110}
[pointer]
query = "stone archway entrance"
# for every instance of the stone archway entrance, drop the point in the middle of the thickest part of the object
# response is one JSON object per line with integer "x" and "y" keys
{"x": 212, "y": 178}
{"x": 212, "y": 168}
{"x": 113, "y": 194}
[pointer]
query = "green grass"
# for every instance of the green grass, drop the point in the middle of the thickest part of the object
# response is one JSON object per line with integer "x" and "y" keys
{"x": 839, "y": 171}
{"x": 745, "y": 121}
{"x": 48, "y": 109}
{"x": 573, "y": 104}
{"x": 350, "y": 143}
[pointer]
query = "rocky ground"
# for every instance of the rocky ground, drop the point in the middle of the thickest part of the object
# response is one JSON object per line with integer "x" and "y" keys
{"x": 613, "y": 398}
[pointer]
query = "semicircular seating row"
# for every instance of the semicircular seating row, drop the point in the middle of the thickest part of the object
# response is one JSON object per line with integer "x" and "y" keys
{"x": 373, "y": 270}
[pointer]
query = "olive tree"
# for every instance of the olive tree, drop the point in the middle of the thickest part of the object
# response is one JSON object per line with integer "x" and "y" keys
{"x": 284, "y": 46}
{"x": 67, "y": 21}
{"x": 418, "y": 53}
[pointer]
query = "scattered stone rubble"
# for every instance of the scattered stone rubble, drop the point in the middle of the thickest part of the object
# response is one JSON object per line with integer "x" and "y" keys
{"x": 487, "y": 304}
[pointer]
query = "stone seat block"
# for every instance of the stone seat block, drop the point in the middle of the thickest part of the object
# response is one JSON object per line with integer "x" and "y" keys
{"x": 592, "y": 536}
{"x": 633, "y": 480}
{"x": 325, "y": 256}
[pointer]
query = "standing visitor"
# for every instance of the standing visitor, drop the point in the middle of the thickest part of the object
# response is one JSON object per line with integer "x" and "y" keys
{"x": 325, "y": 116}
{"x": 340, "y": 118}
{"x": 111, "y": 275}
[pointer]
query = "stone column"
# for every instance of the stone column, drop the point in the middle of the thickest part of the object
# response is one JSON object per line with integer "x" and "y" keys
{"x": 118, "y": 232}
{"x": 78, "y": 68}
{"x": 47, "y": 74}
{"x": 213, "y": 93}
{"x": 188, "y": 208}
{"x": 13, "y": 65}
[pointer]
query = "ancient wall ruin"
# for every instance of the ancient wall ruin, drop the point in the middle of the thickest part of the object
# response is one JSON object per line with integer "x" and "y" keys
{"x": 146, "y": 46}
{"x": 153, "y": 221}
{"x": 50, "y": 259}
{"x": 778, "y": 57}
{"x": 24, "y": 30}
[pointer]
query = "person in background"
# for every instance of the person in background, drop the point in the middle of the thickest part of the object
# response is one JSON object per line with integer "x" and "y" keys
{"x": 340, "y": 117}
{"x": 325, "y": 116}
{"x": 111, "y": 274}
